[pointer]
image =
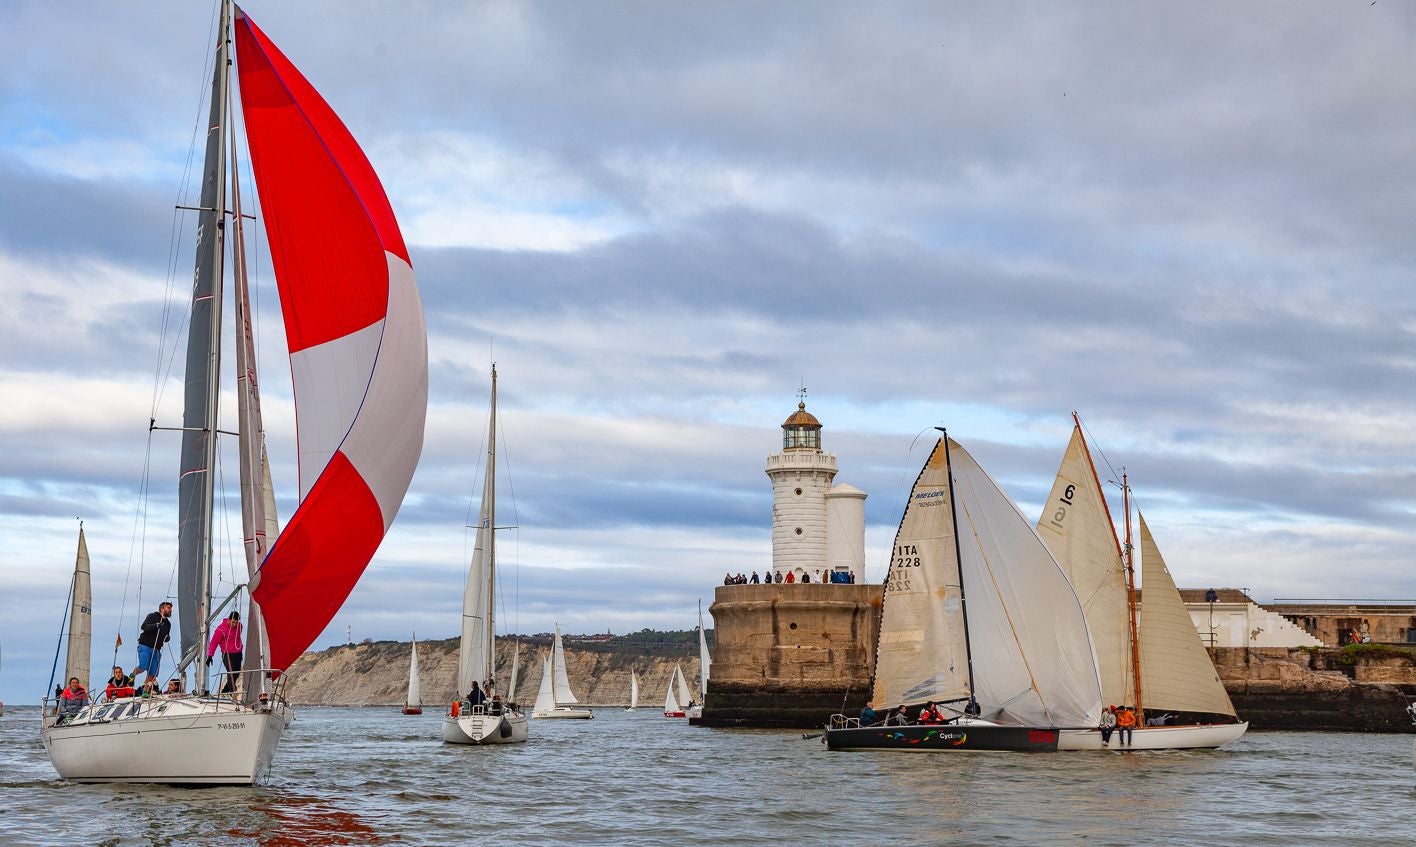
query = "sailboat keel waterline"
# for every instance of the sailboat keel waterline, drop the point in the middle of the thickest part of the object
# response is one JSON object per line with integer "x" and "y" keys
{"x": 178, "y": 741}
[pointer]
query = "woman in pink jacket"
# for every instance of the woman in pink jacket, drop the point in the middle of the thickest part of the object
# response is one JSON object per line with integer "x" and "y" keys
{"x": 228, "y": 638}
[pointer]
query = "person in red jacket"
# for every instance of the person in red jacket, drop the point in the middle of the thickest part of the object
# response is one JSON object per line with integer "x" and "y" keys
{"x": 73, "y": 699}
{"x": 228, "y": 638}
{"x": 119, "y": 685}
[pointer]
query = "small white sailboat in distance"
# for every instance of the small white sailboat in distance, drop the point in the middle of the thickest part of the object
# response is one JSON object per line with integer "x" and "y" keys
{"x": 555, "y": 699}
{"x": 491, "y": 719}
{"x": 675, "y": 704}
{"x": 633, "y": 691}
{"x": 413, "y": 704}
{"x": 695, "y": 710}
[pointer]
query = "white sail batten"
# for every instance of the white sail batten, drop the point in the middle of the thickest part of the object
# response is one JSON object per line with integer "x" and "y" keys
{"x": 415, "y": 692}
{"x": 80, "y": 646}
{"x": 563, "y": 693}
{"x": 1076, "y": 526}
{"x": 1176, "y": 670}
{"x": 922, "y": 653}
{"x": 1032, "y": 654}
{"x": 545, "y": 696}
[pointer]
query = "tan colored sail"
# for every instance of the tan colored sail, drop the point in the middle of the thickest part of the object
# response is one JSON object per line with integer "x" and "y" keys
{"x": 1176, "y": 671}
{"x": 923, "y": 655}
{"x": 1076, "y": 526}
{"x": 76, "y": 660}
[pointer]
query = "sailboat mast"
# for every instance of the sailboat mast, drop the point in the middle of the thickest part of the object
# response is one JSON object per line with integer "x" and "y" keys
{"x": 958, "y": 557}
{"x": 250, "y": 433}
{"x": 489, "y": 495}
{"x": 1131, "y": 596}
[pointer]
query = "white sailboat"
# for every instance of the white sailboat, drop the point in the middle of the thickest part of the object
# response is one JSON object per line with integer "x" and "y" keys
{"x": 633, "y": 691}
{"x": 413, "y": 703}
{"x": 496, "y": 720}
{"x": 358, "y": 356}
{"x": 977, "y": 619}
{"x": 1154, "y": 659}
{"x": 695, "y": 710}
{"x": 555, "y": 699}
{"x": 672, "y": 708}
{"x": 678, "y": 700}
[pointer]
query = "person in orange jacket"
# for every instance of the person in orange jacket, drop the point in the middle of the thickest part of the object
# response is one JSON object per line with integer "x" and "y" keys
{"x": 1125, "y": 724}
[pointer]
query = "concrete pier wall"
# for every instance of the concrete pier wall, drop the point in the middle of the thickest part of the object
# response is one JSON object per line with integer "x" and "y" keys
{"x": 791, "y": 655}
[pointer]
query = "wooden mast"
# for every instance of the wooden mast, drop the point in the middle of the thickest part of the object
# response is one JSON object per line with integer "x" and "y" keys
{"x": 1131, "y": 598}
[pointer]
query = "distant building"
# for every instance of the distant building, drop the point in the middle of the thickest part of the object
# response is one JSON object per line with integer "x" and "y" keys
{"x": 1342, "y": 622}
{"x": 816, "y": 525}
{"x": 1230, "y": 618}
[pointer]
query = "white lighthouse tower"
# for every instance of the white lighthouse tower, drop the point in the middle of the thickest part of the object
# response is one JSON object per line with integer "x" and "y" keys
{"x": 815, "y": 526}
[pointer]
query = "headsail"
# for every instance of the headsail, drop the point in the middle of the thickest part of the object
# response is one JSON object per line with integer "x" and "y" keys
{"x": 682, "y": 682}
{"x": 76, "y": 660}
{"x": 1176, "y": 670}
{"x": 1032, "y": 653}
{"x": 415, "y": 691}
{"x": 671, "y": 703}
{"x": 1076, "y": 526}
{"x": 357, "y": 339}
{"x": 545, "y": 695}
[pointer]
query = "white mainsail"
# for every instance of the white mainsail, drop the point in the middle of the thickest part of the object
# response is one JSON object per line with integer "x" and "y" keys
{"x": 76, "y": 660}
{"x": 415, "y": 695}
{"x": 1007, "y": 606}
{"x": 633, "y": 691}
{"x": 475, "y": 650}
{"x": 671, "y": 703}
{"x": 562, "y": 680}
{"x": 1176, "y": 670}
{"x": 545, "y": 697}
{"x": 1076, "y": 526}
{"x": 704, "y": 660}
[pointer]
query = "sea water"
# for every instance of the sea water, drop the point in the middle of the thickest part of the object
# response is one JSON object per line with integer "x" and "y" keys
{"x": 372, "y": 776}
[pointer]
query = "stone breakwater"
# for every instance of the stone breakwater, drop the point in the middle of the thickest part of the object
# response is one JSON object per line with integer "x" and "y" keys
{"x": 1341, "y": 689}
{"x": 376, "y": 674}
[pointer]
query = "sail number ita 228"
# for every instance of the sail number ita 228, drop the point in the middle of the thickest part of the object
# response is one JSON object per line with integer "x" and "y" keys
{"x": 902, "y": 567}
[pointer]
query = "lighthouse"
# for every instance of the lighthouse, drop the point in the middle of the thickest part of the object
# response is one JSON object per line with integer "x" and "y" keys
{"x": 816, "y": 525}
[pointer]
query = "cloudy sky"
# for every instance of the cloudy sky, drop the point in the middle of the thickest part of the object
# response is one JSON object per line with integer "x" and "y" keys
{"x": 1189, "y": 222}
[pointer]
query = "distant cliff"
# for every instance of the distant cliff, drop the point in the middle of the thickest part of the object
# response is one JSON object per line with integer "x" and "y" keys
{"x": 376, "y": 673}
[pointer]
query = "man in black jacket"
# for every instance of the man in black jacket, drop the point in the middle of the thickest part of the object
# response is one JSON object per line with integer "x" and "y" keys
{"x": 156, "y": 630}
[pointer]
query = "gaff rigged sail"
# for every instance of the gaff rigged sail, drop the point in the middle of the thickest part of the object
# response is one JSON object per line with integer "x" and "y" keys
{"x": 357, "y": 339}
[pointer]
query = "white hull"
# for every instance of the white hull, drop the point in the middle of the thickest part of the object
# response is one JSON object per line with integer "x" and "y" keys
{"x": 1155, "y": 737}
{"x": 181, "y": 741}
{"x": 564, "y": 713}
{"x": 508, "y": 728}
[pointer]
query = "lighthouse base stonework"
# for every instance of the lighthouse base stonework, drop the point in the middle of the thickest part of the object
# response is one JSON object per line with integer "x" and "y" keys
{"x": 790, "y": 656}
